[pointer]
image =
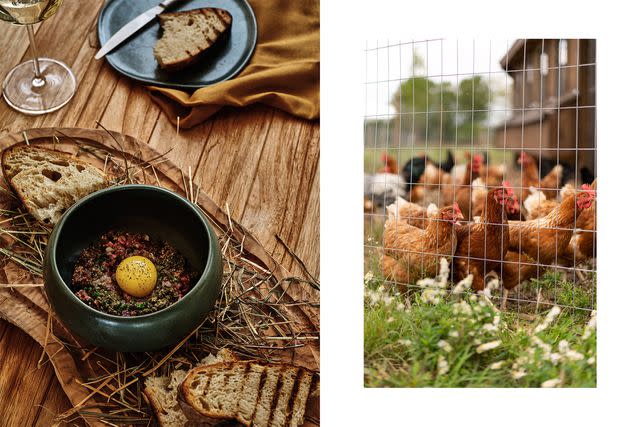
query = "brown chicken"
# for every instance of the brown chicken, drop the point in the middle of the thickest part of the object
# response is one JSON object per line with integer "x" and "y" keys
{"x": 516, "y": 268}
{"x": 531, "y": 177}
{"x": 582, "y": 245}
{"x": 545, "y": 239}
{"x": 461, "y": 193}
{"x": 482, "y": 245}
{"x": 493, "y": 175}
{"x": 389, "y": 164}
{"x": 414, "y": 214}
{"x": 412, "y": 253}
{"x": 537, "y": 205}
{"x": 479, "y": 198}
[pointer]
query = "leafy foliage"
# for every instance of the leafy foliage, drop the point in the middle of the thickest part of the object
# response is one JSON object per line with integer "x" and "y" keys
{"x": 442, "y": 111}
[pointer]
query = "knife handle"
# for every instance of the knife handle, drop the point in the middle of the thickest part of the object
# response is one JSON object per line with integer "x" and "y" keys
{"x": 166, "y": 3}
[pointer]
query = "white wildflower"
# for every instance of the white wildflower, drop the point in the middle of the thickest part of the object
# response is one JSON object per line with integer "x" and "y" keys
{"x": 489, "y": 327}
{"x": 496, "y": 365}
{"x": 473, "y": 298}
{"x": 405, "y": 342}
{"x": 431, "y": 296}
{"x": 555, "y": 382}
{"x": 574, "y": 355}
{"x": 491, "y": 286}
{"x": 444, "y": 269}
{"x": 400, "y": 307}
{"x": 516, "y": 375}
{"x": 444, "y": 345}
{"x": 488, "y": 346}
{"x": 496, "y": 319}
{"x": 463, "y": 285}
{"x": 543, "y": 345}
{"x": 453, "y": 333}
{"x": 555, "y": 358}
{"x": 591, "y": 326}
{"x": 390, "y": 320}
{"x": 443, "y": 365}
{"x": 591, "y": 360}
{"x": 462, "y": 307}
{"x": 568, "y": 353}
{"x": 368, "y": 277}
{"x": 563, "y": 346}
{"x": 548, "y": 320}
{"x": 426, "y": 283}
{"x": 374, "y": 297}
{"x": 387, "y": 299}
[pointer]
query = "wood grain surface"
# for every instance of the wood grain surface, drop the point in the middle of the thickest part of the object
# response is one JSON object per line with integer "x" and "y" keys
{"x": 261, "y": 162}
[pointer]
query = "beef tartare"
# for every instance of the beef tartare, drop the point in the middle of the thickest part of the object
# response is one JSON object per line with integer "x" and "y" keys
{"x": 94, "y": 276}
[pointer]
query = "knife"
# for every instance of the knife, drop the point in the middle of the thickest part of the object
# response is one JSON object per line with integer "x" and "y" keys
{"x": 132, "y": 27}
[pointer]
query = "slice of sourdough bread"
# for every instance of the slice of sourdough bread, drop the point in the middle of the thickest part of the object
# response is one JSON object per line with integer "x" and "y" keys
{"x": 48, "y": 182}
{"x": 249, "y": 393}
{"x": 186, "y": 36}
{"x": 162, "y": 392}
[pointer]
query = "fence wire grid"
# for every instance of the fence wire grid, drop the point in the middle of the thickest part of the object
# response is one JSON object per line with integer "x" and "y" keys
{"x": 505, "y": 131}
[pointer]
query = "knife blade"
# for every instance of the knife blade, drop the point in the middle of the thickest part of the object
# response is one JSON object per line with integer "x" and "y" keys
{"x": 132, "y": 27}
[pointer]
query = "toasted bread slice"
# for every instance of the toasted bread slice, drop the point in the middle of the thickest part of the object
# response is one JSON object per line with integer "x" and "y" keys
{"x": 186, "y": 36}
{"x": 250, "y": 393}
{"x": 162, "y": 392}
{"x": 48, "y": 182}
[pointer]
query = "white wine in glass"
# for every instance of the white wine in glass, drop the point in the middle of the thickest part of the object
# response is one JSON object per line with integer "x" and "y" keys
{"x": 41, "y": 85}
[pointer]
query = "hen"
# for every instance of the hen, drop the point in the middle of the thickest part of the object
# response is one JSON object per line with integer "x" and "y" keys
{"x": 537, "y": 205}
{"x": 428, "y": 188}
{"x": 482, "y": 245}
{"x": 544, "y": 239}
{"x": 582, "y": 245}
{"x": 412, "y": 253}
{"x": 479, "y": 197}
{"x": 390, "y": 164}
{"x": 381, "y": 188}
{"x": 414, "y": 168}
{"x": 516, "y": 268}
{"x": 531, "y": 177}
{"x": 461, "y": 193}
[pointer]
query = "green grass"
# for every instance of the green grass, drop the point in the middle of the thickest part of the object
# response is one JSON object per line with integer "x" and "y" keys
{"x": 431, "y": 339}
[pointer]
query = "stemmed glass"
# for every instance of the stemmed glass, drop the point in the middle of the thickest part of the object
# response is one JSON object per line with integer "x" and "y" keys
{"x": 41, "y": 85}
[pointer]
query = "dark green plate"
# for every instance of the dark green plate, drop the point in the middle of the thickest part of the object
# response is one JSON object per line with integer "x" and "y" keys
{"x": 134, "y": 58}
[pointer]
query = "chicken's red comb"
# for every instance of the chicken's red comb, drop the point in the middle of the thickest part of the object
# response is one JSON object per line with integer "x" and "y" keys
{"x": 456, "y": 207}
{"x": 384, "y": 156}
{"x": 478, "y": 158}
{"x": 508, "y": 186}
{"x": 587, "y": 189}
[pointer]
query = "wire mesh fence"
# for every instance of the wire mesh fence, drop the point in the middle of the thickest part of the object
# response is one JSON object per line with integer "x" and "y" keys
{"x": 484, "y": 153}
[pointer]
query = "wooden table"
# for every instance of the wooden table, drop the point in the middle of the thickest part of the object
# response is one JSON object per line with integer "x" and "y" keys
{"x": 262, "y": 162}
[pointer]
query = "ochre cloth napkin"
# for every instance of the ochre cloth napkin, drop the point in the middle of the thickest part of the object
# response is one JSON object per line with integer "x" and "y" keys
{"x": 284, "y": 71}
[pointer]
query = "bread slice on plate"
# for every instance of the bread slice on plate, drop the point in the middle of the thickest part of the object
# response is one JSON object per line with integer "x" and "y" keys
{"x": 249, "y": 393}
{"x": 48, "y": 182}
{"x": 162, "y": 392}
{"x": 186, "y": 36}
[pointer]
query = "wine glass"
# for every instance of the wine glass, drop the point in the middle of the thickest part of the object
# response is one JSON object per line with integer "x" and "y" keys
{"x": 41, "y": 85}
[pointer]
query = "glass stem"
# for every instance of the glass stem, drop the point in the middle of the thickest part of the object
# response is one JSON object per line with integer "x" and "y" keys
{"x": 37, "y": 81}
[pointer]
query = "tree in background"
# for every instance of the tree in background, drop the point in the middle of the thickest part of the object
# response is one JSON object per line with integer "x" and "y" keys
{"x": 441, "y": 111}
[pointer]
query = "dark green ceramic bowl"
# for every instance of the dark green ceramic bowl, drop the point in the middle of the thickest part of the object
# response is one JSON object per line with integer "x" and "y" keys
{"x": 162, "y": 215}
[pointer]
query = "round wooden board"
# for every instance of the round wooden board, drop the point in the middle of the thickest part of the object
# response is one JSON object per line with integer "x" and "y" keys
{"x": 27, "y": 308}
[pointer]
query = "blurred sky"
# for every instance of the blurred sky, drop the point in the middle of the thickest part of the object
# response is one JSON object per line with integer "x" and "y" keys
{"x": 443, "y": 59}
